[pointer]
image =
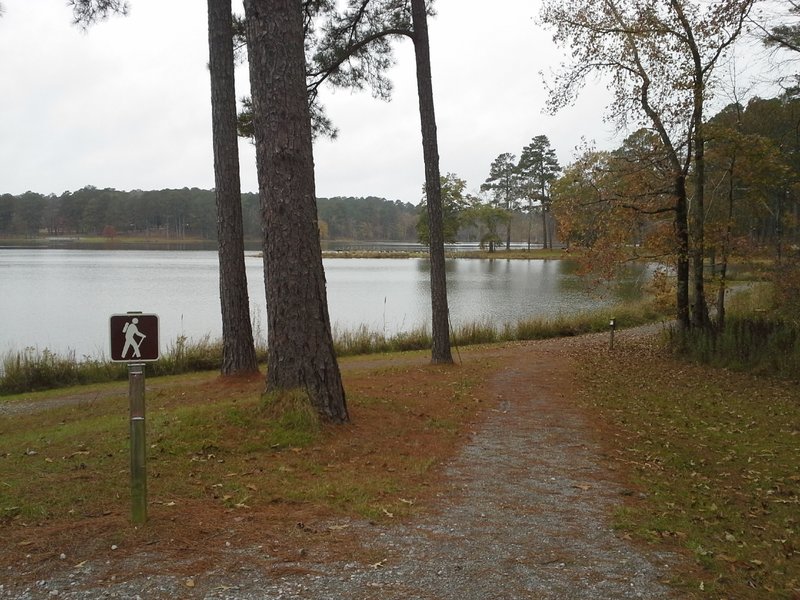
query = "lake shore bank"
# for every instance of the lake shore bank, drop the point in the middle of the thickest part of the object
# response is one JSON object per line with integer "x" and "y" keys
{"x": 330, "y": 248}
{"x": 35, "y": 370}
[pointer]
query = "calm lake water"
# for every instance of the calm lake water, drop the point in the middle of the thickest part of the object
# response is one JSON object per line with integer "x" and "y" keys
{"x": 62, "y": 299}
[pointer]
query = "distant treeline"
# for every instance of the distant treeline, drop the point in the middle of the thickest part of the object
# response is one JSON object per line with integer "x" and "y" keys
{"x": 188, "y": 213}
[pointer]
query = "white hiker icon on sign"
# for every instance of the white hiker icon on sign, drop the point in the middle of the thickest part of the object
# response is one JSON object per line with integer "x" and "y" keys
{"x": 134, "y": 337}
{"x": 131, "y": 332}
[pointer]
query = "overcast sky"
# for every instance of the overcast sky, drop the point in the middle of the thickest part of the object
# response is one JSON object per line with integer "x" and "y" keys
{"x": 126, "y": 104}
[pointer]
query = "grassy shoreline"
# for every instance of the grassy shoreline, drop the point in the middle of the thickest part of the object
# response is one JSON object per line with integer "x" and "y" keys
{"x": 514, "y": 254}
{"x": 33, "y": 370}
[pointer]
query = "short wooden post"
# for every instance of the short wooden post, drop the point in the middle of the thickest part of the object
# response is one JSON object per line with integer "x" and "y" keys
{"x": 613, "y": 324}
{"x": 136, "y": 382}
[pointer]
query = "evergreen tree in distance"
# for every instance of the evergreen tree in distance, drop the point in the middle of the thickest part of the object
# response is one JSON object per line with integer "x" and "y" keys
{"x": 503, "y": 184}
{"x": 537, "y": 168}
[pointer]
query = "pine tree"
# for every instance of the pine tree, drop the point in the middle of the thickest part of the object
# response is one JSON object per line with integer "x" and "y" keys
{"x": 301, "y": 354}
{"x": 238, "y": 349}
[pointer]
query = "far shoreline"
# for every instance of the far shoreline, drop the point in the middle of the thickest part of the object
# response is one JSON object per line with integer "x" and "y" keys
{"x": 348, "y": 248}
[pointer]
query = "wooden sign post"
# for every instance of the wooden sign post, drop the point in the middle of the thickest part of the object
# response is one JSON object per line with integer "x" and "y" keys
{"x": 134, "y": 340}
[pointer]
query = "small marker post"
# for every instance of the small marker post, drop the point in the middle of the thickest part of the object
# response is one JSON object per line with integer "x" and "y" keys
{"x": 136, "y": 381}
{"x": 134, "y": 340}
{"x": 613, "y": 324}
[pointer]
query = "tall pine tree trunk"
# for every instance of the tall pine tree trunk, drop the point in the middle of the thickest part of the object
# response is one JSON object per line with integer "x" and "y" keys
{"x": 238, "y": 350}
{"x": 301, "y": 351}
{"x": 440, "y": 350}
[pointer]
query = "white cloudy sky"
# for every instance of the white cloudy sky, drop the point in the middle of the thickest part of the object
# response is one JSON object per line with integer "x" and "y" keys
{"x": 126, "y": 104}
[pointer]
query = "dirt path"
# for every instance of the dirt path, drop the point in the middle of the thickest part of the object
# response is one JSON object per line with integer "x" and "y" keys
{"x": 525, "y": 514}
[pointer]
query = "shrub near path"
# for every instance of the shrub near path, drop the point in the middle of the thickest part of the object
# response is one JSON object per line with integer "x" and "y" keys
{"x": 478, "y": 481}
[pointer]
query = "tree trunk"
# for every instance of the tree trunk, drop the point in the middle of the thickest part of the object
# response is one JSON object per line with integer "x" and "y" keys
{"x": 682, "y": 263}
{"x": 726, "y": 248}
{"x": 779, "y": 227}
{"x": 301, "y": 354}
{"x": 440, "y": 334}
{"x": 530, "y": 222}
{"x": 700, "y": 313}
{"x": 545, "y": 232}
{"x": 238, "y": 350}
{"x": 544, "y": 227}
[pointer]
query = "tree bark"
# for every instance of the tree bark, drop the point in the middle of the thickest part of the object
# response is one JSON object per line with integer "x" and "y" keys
{"x": 726, "y": 248}
{"x": 682, "y": 262}
{"x": 700, "y": 317}
{"x": 440, "y": 334}
{"x": 544, "y": 225}
{"x": 530, "y": 222}
{"x": 301, "y": 354}
{"x": 238, "y": 349}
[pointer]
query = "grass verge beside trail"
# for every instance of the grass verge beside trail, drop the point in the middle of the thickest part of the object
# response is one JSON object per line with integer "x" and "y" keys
{"x": 715, "y": 455}
{"x": 216, "y": 447}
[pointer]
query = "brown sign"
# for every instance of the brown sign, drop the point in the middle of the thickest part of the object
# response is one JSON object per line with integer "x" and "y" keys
{"x": 134, "y": 337}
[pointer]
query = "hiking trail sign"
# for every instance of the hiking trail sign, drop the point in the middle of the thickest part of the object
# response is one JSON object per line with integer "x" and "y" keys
{"x": 134, "y": 337}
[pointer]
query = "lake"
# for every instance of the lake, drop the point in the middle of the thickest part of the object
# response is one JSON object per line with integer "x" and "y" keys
{"x": 61, "y": 300}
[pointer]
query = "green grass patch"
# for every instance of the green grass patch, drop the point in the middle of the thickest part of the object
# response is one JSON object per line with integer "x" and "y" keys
{"x": 468, "y": 334}
{"x": 295, "y": 423}
{"x": 757, "y": 337}
{"x": 221, "y": 443}
{"x": 629, "y": 314}
{"x": 715, "y": 456}
{"x": 64, "y": 463}
{"x": 625, "y": 315}
{"x": 364, "y": 340}
{"x": 33, "y": 369}
{"x": 60, "y": 458}
{"x": 756, "y": 344}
